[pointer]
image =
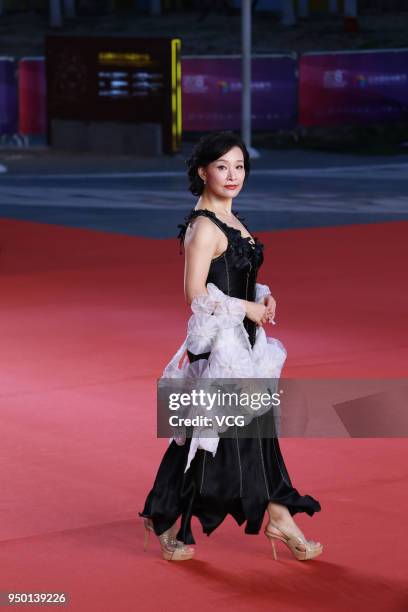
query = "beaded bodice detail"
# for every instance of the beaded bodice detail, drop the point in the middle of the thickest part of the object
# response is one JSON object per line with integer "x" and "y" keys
{"x": 241, "y": 251}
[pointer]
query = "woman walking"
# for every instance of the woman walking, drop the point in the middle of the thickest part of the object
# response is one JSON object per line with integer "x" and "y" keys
{"x": 246, "y": 477}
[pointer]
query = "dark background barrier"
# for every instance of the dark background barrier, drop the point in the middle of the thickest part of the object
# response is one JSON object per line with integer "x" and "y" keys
{"x": 353, "y": 87}
{"x": 318, "y": 89}
{"x": 212, "y": 92}
{"x": 8, "y": 96}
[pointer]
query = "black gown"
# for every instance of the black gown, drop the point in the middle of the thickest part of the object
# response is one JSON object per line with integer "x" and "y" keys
{"x": 246, "y": 473}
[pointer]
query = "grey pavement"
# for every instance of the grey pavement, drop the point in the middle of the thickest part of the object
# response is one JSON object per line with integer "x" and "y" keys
{"x": 149, "y": 197}
{"x": 42, "y": 160}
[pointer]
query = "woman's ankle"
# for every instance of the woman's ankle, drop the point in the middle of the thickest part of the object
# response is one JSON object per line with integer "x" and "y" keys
{"x": 277, "y": 512}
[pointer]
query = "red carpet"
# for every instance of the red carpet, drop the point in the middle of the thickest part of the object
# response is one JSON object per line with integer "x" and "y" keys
{"x": 88, "y": 320}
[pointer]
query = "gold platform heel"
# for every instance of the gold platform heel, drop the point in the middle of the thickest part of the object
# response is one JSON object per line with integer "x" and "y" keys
{"x": 301, "y": 548}
{"x": 148, "y": 528}
{"x": 172, "y": 549}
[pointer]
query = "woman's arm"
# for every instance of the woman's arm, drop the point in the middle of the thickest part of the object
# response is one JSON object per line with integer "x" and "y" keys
{"x": 263, "y": 296}
{"x": 200, "y": 246}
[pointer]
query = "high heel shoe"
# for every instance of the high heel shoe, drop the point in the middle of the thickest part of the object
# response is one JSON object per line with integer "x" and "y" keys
{"x": 301, "y": 548}
{"x": 172, "y": 549}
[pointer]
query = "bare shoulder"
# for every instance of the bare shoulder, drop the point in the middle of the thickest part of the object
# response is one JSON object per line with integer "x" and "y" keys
{"x": 201, "y": 232}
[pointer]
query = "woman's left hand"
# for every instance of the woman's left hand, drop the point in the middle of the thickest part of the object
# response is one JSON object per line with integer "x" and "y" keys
{"x": 270, "y": 304}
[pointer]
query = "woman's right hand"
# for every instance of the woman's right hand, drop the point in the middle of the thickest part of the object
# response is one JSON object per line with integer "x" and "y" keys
{"x": 255, "y": 312}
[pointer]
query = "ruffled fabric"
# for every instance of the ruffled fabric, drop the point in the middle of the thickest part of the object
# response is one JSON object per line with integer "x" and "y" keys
{"x": 216, "y": 325}
{"x": 261, "y": 291}
{"x": 244, "y": 254}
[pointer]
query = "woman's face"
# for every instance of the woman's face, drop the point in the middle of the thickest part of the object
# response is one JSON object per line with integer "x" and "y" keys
{"x": 225, "y": 176}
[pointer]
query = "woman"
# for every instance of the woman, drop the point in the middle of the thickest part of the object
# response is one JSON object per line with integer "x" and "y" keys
{"x": 246, "y": 476}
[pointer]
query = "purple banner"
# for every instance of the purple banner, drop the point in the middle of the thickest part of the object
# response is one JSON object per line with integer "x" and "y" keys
{"x": 351, "y": 87}
{"x": 8, "y": 96}
{"x": 212, "y": 90}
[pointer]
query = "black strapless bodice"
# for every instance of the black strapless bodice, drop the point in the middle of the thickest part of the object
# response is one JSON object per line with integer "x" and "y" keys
{"x": 235, "y": 271}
